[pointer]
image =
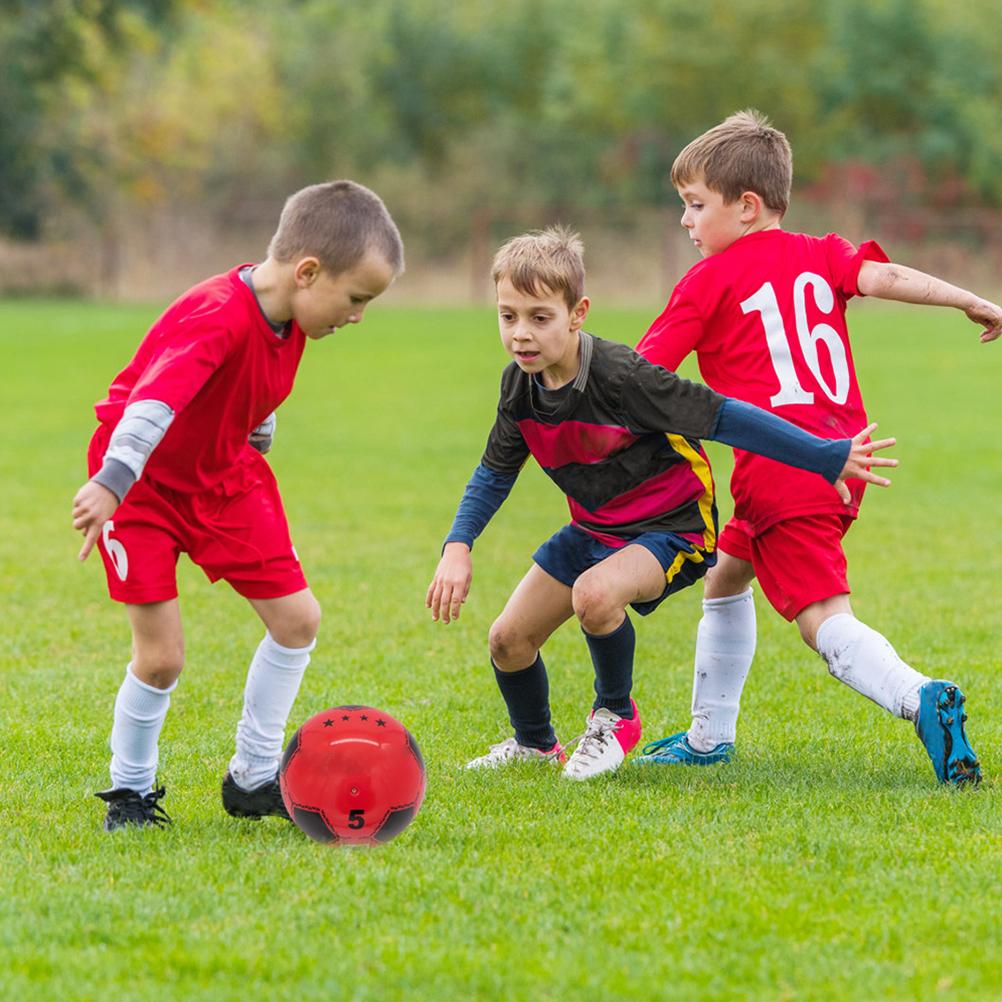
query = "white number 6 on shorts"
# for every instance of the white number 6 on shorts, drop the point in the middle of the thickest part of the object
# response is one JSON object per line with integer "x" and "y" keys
{"x": 115, "y": 550}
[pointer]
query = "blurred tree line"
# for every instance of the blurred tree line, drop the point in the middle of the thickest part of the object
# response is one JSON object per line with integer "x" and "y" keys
{"x": 454, "y": 110}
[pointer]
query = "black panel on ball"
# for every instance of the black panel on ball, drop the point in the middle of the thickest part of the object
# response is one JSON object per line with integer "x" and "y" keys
{"x": 290, "y": 749}
{"x": 313, "y": 824}
{"x": 413, "y": 745}
{"x": 395, "y": 823}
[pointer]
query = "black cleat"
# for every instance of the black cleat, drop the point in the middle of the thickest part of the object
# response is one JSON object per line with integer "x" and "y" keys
{"x": 127, "y": 807}
{"x": 261, "y": 802}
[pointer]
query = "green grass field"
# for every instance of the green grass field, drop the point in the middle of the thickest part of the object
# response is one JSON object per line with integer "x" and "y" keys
{"x": 824, "y": 863}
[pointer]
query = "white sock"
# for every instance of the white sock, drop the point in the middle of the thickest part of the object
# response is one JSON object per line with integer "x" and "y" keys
{"x": 725, "y": 646}
{"x": 866, "y": 662}
{"x": 272, "y": 684}
{"x": 139, "y": 714}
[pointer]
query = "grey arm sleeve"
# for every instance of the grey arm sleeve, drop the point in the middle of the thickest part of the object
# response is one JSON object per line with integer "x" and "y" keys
{"x": 135, "y": 437}
{"x": 264, "y": 434}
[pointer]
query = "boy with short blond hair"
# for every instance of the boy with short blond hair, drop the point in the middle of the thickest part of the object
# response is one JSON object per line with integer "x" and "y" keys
{"x": 619, "y": 437}
{"x": 765, "y": 313}
{"x": 176, "y": 465}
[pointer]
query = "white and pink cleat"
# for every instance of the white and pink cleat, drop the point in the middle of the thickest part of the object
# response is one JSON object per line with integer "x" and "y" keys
{"x": 606, "y": 742}
{"x": 511, "y": 751}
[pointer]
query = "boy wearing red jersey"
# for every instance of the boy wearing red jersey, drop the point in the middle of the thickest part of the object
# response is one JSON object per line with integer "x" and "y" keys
{"x": 765, "y": 313}
{"x": 176, "y": 465}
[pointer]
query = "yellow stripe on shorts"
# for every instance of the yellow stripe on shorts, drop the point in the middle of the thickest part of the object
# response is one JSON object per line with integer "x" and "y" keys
{"x": 701, "y": 468}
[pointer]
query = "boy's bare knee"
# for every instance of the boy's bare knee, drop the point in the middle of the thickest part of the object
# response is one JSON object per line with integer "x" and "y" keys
{"x": 593, "y": 607}
{"x": 299, "y": 627}
{"x": 810, "y": 619}
{"x": 808, "y": 634}
{"x": 499, "y": 642}
{"x": 293, "y": 620}
{"x": 729, "y": 576}
{"x": 158, "y": 666}
{"x": 311, "y": 620}
{"x": 510, "y": 651}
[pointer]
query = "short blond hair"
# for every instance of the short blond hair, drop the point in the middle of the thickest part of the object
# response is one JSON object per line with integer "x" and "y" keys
{"x": 550, "y": 260}
{"x": 338, "y": 223}
{"x": 742, "y": 153}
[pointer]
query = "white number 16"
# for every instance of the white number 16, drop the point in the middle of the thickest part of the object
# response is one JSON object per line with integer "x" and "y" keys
{"x": 790, "y": 389}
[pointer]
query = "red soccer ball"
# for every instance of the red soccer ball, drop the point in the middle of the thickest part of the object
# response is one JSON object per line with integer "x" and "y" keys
{"x": 352, "y": 774}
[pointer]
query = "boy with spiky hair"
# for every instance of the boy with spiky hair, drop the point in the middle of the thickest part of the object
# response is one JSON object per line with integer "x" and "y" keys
{"x": 619, "y": 437}
{"x": 765, "y": 313}
{"x": 176, "y": 465}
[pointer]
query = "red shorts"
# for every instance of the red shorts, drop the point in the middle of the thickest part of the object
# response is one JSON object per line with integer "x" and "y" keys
{"x": 236, "y": 531}
{"x": 797, "y": 562}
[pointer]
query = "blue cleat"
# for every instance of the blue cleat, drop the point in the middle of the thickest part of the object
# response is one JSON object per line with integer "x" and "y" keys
{"x": 940, "y": 727}
{"x": 676, "y": 750}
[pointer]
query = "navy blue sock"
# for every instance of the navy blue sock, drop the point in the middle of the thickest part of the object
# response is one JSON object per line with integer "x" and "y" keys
{"x": 527, "y": 696}
{"x": 612, "y": 656}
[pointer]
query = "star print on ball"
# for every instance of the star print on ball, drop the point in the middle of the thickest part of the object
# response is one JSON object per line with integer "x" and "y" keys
{"x": 352, "y": 775}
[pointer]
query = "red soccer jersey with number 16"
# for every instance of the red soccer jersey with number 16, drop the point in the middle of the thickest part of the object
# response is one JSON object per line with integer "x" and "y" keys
{"x": 766, "y": 318}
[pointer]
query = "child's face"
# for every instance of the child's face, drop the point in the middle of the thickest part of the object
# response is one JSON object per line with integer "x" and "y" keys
{"x": 713, "y": 225}
{"x": 323, "y": 302}
{"x": 540, "y": 332}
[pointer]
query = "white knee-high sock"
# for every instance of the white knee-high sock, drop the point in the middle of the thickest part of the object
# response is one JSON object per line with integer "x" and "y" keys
{"x": 139, "y": 715}
{"x": 866, "y": 662}
{"x": 725, "y": 646}
{"x": 272, "y": 684}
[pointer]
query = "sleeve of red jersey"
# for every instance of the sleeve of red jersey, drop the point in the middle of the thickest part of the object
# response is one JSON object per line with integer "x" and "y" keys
{"x": 186, "y": 361}
{"x": 844, "y": 261}
{"x": 674, "y": 334}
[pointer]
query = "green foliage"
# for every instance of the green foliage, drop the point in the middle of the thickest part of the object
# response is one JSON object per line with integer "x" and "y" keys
{"x": 824, "y": 863}
{"x": 552, "y": 104}
{"x": 20, "y": 111}
{"x": 51, "y": 51}
{"x": 918, "y": 81}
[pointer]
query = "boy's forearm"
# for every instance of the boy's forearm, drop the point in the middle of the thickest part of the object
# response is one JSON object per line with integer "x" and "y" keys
{"x": 484, "y": 495}
{"x": 901, "y": 284}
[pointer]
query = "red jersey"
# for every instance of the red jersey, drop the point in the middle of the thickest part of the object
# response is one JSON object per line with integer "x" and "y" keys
{"x": 766, "y": 318}
{"x": 213, "y": 358}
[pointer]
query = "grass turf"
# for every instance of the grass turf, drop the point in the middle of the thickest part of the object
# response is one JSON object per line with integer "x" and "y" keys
{"x": 823, "y": 863}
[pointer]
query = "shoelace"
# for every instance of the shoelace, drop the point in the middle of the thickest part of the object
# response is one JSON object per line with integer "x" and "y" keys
{"x": 660, "y": 744}
{"x": 594, "y": 738}
{"x": 156, "y": 814}
{"x": 500, "y": 752}
{"x": 146, "y": 808}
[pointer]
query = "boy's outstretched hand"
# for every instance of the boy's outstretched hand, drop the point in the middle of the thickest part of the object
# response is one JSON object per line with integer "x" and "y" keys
{"x": 92, "y": 507}
{"x": 861, "y": 458}
{"x": 987, "y": 315}
{"x": 451, "y": 583}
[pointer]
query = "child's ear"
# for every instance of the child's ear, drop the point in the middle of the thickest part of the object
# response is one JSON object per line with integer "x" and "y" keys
{"x": 306, "y": 271}
{"x": 752, "y": 206}
{"x": 579, "y": 313}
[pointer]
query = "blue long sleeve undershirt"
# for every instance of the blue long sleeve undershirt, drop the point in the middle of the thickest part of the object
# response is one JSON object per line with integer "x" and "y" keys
{"x": 484, "y": 494}
{"x": 740, "y": 425}
{"x": 744, "y": 426}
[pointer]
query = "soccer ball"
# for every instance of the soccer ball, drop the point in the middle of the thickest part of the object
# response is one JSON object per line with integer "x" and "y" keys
{"x": 352, "y": 774}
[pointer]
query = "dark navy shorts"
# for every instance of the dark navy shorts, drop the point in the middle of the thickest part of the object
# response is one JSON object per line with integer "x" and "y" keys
{"x": 567, "y": 554}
